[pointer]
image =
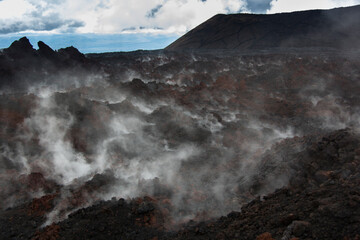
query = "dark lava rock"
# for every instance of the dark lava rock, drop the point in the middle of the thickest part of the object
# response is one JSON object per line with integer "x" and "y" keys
{"x": 72, "y": 54}
{"x": 45, "y": 51}
{"x": 20, "y": 48}
{"x": 145, "y": 207}
{"x": 137, "y": 87}
{"x": 110, "y": 220}
{"x": 312, "y": 211}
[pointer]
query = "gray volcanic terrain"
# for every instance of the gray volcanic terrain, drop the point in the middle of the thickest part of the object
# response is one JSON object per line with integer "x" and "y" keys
{"x": 327, "y": 29}
{"x": 210, "y": 138}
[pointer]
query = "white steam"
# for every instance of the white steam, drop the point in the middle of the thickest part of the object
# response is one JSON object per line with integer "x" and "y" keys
{"x": 50, "y": 124}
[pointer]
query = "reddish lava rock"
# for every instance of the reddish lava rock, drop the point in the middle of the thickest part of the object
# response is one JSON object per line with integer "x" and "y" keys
{"x": 48, "y": 233}
{"x": 42, "y": 206}
{"x": 265, "y": 236}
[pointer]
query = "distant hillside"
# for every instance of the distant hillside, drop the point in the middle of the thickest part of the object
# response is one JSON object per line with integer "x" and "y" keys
{"x": 337, "y": 28}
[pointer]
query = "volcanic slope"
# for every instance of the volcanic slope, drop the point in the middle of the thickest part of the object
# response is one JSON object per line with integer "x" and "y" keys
{"x": 336, "y": 29}
{"x": 179, "y": 145}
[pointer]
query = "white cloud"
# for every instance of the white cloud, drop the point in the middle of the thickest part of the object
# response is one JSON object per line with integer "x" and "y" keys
{"x": 113, "y": 16}
{"x": 277, "y": 6}
{"x": 140, "y": 16}
{"x": 14, "y": 9}
{"x": 34, "y": 16}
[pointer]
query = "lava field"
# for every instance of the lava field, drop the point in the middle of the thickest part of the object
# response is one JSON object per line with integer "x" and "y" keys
{"x": 179, "y": 145}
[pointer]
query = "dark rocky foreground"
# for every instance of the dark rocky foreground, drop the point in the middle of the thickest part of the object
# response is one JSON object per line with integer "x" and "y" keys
{"x": 322, "y": 201}
{"x": 179, "y": 145}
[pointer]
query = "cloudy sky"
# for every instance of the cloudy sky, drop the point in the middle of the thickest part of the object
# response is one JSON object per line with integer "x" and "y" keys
{"x": 127, "y": 25}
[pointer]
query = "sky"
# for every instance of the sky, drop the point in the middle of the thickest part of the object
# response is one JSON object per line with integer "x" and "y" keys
{"x": 123, "y": 25}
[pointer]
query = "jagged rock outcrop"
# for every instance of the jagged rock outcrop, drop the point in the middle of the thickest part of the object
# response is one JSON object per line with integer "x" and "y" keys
{"x": 22, "y": 66}
{"x": 71, "y": 53}
{"x": 46, "y": 51}
{"x": 20, "y": 49}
